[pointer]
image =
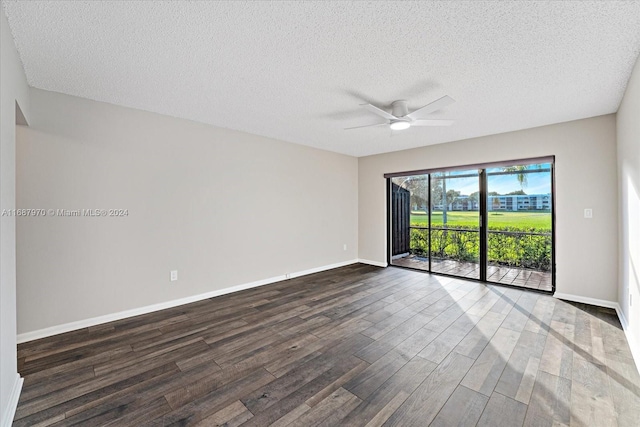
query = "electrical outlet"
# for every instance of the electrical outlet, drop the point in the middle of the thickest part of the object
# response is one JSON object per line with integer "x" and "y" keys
{"x": 588, "y": 213}
{"x": 174, "y": 275}
{"x": 344, "y": 247}
{"x": 287, "y": 276}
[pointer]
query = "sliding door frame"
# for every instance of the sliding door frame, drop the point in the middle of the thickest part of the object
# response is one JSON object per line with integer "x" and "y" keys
{"x": 428, "y": 219}
{"x": 483, "y": 211}
{"x": 484, "y": 231}
{"x": 553, "y": 225}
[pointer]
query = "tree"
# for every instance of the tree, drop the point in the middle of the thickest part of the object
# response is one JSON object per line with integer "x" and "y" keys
{"x": 496, "y": 203}
{"x": 436, "y": 192}
{"x": 418, "y": 186}
{"x": 522, "y": 177}
{"x": 452, "y": 197}
{"x": 516, "y": 193}
{"x": 474, "y": 198}
{"x": 441, "y": 196}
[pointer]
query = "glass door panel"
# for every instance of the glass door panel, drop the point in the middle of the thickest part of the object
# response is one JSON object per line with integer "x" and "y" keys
{"x": 455, "y": 223}
{"x": 410, "y": 221}
{"x": 519, "y": 225}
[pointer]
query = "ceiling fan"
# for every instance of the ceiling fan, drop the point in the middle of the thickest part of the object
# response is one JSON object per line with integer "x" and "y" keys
{"x": 401, "y": 118}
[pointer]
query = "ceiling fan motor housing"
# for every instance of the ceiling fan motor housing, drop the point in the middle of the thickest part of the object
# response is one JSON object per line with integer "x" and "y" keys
{"x": 399, "y": 108}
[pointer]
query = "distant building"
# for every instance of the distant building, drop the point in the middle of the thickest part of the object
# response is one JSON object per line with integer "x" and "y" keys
{"x": 528, "y": 202}
{"x": 462, "y": 203}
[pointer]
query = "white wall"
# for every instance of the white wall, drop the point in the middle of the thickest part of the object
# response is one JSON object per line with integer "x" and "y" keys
{"x": 13, "y": 88}
{"x": 222, "y": 207}
{"x": 585, "y": 153}
{"x": 628, "y": 131}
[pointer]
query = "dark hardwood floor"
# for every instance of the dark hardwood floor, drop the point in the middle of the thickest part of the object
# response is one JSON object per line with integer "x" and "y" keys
{"x": 355, "y": 346}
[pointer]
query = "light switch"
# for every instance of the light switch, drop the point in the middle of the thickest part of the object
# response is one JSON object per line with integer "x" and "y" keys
{"x": 588, "y": 213}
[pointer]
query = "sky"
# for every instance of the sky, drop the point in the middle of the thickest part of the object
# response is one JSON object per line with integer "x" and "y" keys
{"x": 537, "y": 183}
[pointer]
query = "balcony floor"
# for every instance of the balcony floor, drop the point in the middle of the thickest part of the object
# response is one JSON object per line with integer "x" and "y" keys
{"x": 526, "y": 278}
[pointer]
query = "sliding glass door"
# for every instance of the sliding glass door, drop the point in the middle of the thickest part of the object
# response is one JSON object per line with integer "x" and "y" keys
{"x": 492, "y": 223}
{"x": 519, "y": 225}
{"x": 455, "y": 223}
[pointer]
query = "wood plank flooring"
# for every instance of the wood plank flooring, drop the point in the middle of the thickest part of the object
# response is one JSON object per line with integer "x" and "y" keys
{"x": 354, "y": 346}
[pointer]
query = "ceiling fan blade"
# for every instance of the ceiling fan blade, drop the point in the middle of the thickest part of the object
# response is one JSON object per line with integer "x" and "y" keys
{"x": 425, "y": 122}
{"x": 430, "y": 108}
{"x": 367, "y": 126}
{"x": 378, "y": 111}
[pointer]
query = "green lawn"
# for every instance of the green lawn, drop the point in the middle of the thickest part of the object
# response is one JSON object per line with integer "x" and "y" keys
{"x": 524, "y": 220}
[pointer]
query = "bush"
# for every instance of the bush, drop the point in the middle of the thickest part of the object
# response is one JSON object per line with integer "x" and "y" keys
{"x": 510, "y": 247}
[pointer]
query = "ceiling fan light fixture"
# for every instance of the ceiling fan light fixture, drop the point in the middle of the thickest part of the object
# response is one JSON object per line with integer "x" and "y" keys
{"x": 400, "y": 125}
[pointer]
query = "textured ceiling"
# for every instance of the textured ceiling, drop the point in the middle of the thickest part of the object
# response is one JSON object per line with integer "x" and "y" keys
{"x": 297, "y": 71}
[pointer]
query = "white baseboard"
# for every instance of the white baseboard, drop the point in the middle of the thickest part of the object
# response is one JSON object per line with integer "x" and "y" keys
{"x": 587, "y": 300}
{"x": 12, "y": 404}
{"x": 622, "y": 317}
{"x": 80, "y": 324}
{"x": 635, "y": 347}
{"x": 633, "y": 344}
{"x": 376, "y": 263}
{"x": 323, "y": 268}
